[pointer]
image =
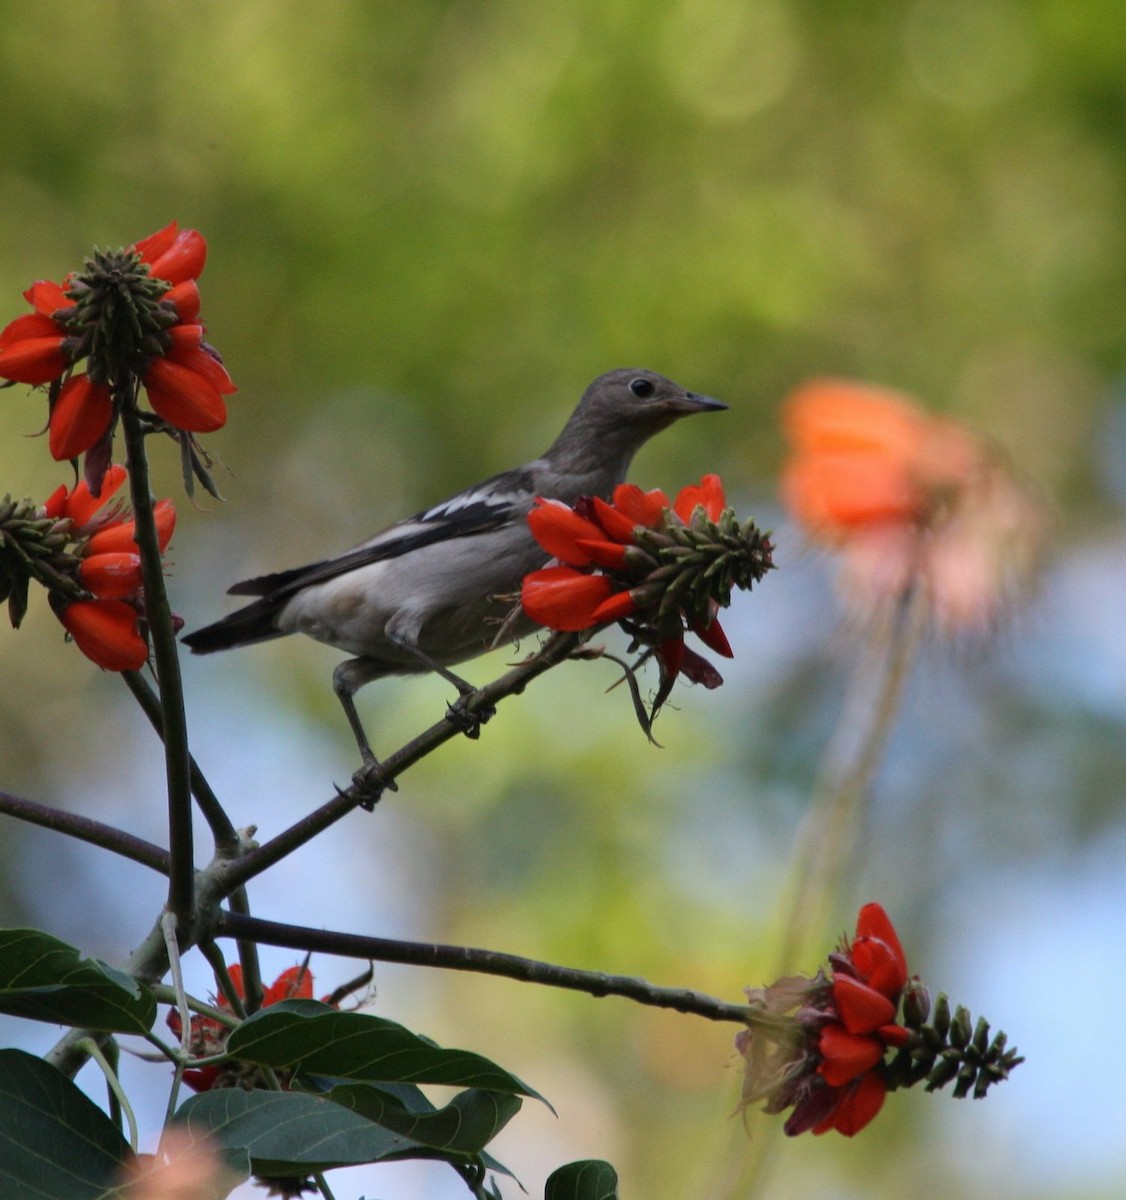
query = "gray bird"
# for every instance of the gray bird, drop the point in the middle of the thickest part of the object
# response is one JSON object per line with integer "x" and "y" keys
{"x": 427, "y": 592}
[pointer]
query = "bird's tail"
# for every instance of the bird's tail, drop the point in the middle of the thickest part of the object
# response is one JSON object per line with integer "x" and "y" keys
{"x": 254, "y": 623}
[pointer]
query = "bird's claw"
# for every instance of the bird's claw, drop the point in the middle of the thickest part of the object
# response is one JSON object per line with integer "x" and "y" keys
{"x": 370, "y": 783}
{"x": 469, "y": 722}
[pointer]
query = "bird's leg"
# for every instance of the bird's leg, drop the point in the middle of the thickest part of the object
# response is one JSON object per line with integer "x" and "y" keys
{"x": 347, "y": 679}
{"x": 457, "y": 713}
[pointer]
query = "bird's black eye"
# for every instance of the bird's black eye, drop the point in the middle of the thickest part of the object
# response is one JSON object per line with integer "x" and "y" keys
{"x": 642, "y": 388}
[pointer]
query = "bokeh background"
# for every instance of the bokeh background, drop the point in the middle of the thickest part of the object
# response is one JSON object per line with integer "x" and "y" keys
{"x": 430, "y": 225}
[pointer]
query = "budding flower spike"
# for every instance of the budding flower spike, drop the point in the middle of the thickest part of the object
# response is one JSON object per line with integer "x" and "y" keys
{"x": 81, "y": 548}
{"x": 133, "y": 316}
{"x": 820, "y": 1045}
{"x": 659, "y": 568}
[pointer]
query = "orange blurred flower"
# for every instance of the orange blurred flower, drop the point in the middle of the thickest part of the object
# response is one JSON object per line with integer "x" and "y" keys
{"x": 183, "y": 1168}
{"x": 913, "y": 501}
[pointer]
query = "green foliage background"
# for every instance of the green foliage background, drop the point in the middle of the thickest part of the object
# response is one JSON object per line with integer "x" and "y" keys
{"x": 430, "y": 224}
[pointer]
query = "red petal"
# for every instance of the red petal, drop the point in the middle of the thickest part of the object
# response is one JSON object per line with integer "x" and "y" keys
{"x": 643, "y": 508}
{"x": 845, "y": 1055}
{"x": 563, "y": 598}
{"x": 185, "y": 299}
{"x": 30, "y": 325}
{"x": 106, "y": 632}
{"x": 714, "y": 638}
{"x": 292, "y": 983}
{"x": 156, "y": 244}
{"x": 699, "y": 670}
{"x": 877, "y": 953}
{"x": 55, "y": 506}
{"x": 81, "y": 506}
{"x": 46, "y": 297}
{"x": 862, "y": 1009}
{"x": 184, "y": 259}
{"x": 708, "y": 493}
{"x": 894, "y": 1035}
{"x": 200, "y": 1079}
{"x": 81, "y": 415}
{"x": 33, "y": 360}
{"x": 185, "y": 336}
{"x": 120, "y": 536}
{"x": 199, "y": 360}
{"x": 616, "y": 524}
{"x": 857, "y": 1107}
{"x": 614, "y": 608}
{"x": 558, "y": 528}
{"x": 183, "y": 397}
{"x": 611, "y": 555}
{"x": 113, "y": 575}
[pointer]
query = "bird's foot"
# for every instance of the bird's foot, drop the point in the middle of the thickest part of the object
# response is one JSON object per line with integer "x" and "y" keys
{"x": 370, "y": 782}
{"x": 466, "y": 720}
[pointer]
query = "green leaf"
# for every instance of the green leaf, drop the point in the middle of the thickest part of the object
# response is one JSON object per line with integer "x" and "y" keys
{"x": 588, "y": 1179}
{"x": 290, "y": 1133}
{"x": 46, "y": 980}
{"x": 318, "y": 1040}
{"x": 464, "y": 1126}
{"x": 55, "y": 1143}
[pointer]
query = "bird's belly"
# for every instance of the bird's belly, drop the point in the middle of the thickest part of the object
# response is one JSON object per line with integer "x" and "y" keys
{"x": 449, "y": 600}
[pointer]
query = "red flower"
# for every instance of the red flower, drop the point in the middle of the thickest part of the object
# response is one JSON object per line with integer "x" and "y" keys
{"x": 151, "y": 333}
{"x": 106, "y": 627}
{"x": 826, "y": 1060}
{"x": 106, "y": 632}
{"x": 869, "y": 975}
{"x": 208, "y": 1037}
{"x": 618, "y": 559}
{"x": 912, "y": 500}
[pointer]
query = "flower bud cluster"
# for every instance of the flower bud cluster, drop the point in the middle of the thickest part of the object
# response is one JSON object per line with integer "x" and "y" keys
{"x": 660, "y": 568}
{"x": 819, "y": 1045}
{"x": 118, "y": 318}
{"x": 84, "y": 553}
{"x": 33, "y": 546}
{"x": 948, "y": 1047}
{"x": 691, "y": 568}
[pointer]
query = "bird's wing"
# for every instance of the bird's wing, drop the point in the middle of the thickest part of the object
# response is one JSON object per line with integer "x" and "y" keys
{"x": 489, "y": 505}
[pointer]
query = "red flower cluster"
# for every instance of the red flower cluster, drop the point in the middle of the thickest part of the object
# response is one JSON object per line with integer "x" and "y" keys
{"x": 818, "y": 1045}
{"x": 912, "y": 500}
{"x": 869, "y": 975}
{"x": 134, "y": 314}
{"x": 609, "y": 559}
{"x": 208, "y": 1037}
{"x": 106, "y": 627}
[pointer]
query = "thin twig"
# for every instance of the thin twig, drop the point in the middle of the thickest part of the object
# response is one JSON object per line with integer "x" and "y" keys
{"x": 86, "y": 830}
{"x": 485, "y": 962}
{"x": 557, "y": 648}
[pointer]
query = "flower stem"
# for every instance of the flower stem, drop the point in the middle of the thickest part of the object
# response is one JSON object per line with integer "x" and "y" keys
{"x": 485, "y": 962}
{"x": 829, "y": 839}
{"x": 159, "y": 615}
{"x": 91, "y": 1047}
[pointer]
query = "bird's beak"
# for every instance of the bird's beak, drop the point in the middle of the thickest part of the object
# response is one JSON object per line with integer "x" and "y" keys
{"x": 690, "y": 402}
